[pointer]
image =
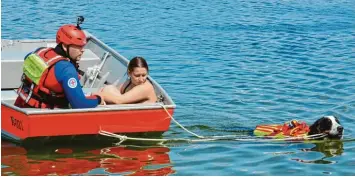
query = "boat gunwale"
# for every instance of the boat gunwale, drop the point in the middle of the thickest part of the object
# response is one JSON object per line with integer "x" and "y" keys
{"x": 100, "y": 108}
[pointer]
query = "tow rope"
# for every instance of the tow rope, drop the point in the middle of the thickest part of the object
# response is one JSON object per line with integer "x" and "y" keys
{"x": 264, "y": 138}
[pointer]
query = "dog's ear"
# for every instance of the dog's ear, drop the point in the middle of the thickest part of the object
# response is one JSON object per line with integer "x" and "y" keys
{"x": 336, "y": 119}
{"x": 315, "y": 127}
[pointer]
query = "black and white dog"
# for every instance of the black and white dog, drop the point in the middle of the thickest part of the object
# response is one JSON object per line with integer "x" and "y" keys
{"x": 328, "y": 125}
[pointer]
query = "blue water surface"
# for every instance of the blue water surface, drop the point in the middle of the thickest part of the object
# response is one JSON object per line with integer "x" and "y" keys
{"x": 226, "y": 64}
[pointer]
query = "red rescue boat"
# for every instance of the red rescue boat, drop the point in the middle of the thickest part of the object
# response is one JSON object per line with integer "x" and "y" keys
{"x": 101, "y": 65}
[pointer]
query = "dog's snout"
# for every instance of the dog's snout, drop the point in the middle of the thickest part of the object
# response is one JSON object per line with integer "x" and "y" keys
{"x": 340, "y": 129}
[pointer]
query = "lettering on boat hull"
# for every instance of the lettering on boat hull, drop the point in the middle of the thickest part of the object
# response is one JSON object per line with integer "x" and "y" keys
{"x": 16, "y": 123}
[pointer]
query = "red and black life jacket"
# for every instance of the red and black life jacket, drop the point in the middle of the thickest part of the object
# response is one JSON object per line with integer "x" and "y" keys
{"x": 48, "y": 93}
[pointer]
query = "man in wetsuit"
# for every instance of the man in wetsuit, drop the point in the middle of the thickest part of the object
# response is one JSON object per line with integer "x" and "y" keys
{"x": 51, "y": 78}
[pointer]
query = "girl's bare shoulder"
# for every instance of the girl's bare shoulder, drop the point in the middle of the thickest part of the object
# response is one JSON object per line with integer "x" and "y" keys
{"x": 147, "y": 86}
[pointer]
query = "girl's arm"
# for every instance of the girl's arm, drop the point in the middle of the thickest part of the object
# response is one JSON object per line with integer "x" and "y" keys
{"x": 136, "y": 94}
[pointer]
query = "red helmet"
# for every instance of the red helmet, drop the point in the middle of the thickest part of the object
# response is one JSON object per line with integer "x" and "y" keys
{"x": 71, "y": 35}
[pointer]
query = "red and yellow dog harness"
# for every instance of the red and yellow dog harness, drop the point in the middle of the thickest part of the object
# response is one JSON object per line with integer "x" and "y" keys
{"x": 288, "y": 129}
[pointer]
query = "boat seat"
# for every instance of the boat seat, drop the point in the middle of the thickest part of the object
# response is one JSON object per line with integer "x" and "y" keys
{"x": 7, "y": 95}
{"x": 9, "y": 101}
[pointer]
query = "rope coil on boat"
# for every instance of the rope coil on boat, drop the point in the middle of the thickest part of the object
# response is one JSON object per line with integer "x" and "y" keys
{"x": 123, "y": 138}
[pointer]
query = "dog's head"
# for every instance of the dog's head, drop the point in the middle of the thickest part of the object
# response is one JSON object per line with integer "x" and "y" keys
{"x": 328, "y": 125}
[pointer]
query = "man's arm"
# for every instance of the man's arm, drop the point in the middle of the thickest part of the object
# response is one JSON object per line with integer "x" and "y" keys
{"x": 68, "y": 77}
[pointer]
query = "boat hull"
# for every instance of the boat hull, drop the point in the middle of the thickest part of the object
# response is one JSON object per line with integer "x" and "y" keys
{"x": 19, "y": 126}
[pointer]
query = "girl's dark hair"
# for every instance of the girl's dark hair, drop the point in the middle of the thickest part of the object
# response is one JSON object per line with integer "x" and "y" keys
{"x": 137, "y": 62}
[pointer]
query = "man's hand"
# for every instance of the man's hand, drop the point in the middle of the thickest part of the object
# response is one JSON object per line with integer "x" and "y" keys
{"x": 101, "y": 95}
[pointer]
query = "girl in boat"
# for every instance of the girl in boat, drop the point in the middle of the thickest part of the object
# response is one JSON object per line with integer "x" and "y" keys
{"x": 136, "y": 89}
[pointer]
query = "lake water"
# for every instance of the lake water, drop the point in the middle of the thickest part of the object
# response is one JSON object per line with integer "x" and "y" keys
{"x": 226, "y": 64}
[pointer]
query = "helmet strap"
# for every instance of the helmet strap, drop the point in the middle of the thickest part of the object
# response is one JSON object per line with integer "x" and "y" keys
{"x": 71, "y": 60}
{"x": 67, "y": 53}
